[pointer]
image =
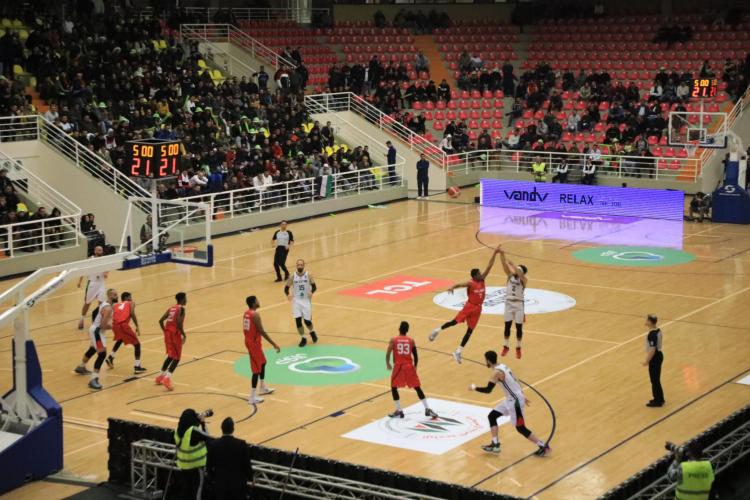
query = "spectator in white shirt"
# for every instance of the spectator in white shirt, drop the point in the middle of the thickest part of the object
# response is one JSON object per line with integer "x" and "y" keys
{"x": 513, "y": 140}
{"x": 51, "y": 115}
{"x": 199, "y": 179}
{"x": 561, "y": 171}
{"x": 595, "y": 156}
{"x": 476, "y": 61}
{"x": 447, "y": 144}
{"x": 656, "y": 90}
{"x": 573, "y": 120}
{"x": 682, "y": 90}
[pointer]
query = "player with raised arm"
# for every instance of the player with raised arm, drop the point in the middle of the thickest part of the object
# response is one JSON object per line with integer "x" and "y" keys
{"x": 472, "y": 310}
{"x": 253, "y": 330}
{"x": 512, "y": 406}
{"x": 302, "y": 287}
{"x": 95, "y": 288}
{"x": 515, "y": 288}
{"x": 404, "y": 368}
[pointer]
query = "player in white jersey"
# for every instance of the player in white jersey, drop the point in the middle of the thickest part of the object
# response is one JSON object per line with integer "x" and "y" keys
{"x": 98, "y": 339}
{"x": 512, "y": 406}
{"x": 514, "y": 302}
{"x": 302, "y": 287}
{"x": 95, "y": 288}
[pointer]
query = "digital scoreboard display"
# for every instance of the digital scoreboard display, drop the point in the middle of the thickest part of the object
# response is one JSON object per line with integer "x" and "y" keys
{"x": 704, "y": 88}
{"x": 154, "y": 159}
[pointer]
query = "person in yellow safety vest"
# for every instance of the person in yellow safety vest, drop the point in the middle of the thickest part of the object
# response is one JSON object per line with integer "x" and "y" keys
{"x": 190, "y": 452}
{"x": 539, "y": 169}
{"x": 693, "y": 475}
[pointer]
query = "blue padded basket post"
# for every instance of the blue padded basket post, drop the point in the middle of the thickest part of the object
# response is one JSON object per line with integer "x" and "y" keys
{"x": 39, "y": 452}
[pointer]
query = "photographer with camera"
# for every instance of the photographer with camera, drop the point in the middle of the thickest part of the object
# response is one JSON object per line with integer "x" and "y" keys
{"x": 191, "y": 438}
{"x": 693, "y": 475}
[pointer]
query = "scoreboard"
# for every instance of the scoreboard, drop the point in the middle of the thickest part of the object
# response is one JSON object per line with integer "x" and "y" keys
{"x": 704, "y": 88}
{"x": 152, "y": 158}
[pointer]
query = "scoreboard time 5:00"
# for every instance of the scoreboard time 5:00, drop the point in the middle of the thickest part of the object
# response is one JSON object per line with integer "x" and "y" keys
{"x": 153, "y": 159}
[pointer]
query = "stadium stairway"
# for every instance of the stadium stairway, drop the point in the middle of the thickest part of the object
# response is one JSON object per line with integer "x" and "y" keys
{"x": 438, "y": 70}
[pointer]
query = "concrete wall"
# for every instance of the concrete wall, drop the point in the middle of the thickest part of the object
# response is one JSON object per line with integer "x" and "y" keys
{"x": 473, "y": 178}
{"x": 25, "y": 263}
{"x": 91, "y": 194}
{"x": 713, "y": 170}
{"x": 457, "y": 12}
{"x": 271, "y": 217}
{"x": 355, "y": 130}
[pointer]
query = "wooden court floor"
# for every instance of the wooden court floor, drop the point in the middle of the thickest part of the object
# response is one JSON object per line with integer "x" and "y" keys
{"x": 584, "y": 361}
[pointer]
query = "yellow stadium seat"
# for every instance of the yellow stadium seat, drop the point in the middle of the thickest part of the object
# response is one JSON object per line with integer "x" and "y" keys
{"x": 17, "y": 24}
{"x": 32, "y": 82}
{"x": 23, "y": 35}
{"x": 17, "y": 69}
{"x": 202, "y": 64}
{"x": 5, "y": 23}
{"x": 329, "y": 150}
{"x": 162, "y": 44}
{"x": 2, "y": 32}
{"x": 155, "y": 43}
{"x": 344, "y": 148}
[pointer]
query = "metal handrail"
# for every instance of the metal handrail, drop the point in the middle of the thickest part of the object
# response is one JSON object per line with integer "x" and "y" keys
{"x": 209, "y": 39}
{"x": 734, "y": 114}
{"x": 40, "y": 235}
{"x": 620, "y": 166}
{"x": 39, "y": 191}
{"x": 227, "y": 33}
{"x": 348, "y": 101}
{"x": 233, "y": 203}
{"x": 248, "y": 14}
{"x": 18, "y": 128}
{"x": 60, "y": 141}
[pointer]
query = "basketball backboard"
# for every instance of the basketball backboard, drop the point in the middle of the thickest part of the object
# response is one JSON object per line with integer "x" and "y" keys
{"x": 169, "y": 231}
{"x": 697, "y": 129}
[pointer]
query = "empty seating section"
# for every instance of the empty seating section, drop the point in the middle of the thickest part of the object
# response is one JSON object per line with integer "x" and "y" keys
{"x": 491, "y": 41}
{"x": 316, "y": 55}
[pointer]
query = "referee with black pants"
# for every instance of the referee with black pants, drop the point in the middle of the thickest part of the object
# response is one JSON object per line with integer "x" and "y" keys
{"x": 423, "y": 179}
{"x": 654, "y": 360}
{"x": 282, "y": 240}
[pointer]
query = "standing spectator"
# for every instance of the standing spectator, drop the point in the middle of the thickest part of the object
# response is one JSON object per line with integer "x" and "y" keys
{"x": 654, "y": 360}
{"x": 391, "y": 158}
{"x": 228, "y": 465}
{"x": 421, "y": 63}
{"x": 423, "y": 179}
{"x": 262, "y": 78}
{"x": 283, "y": 240}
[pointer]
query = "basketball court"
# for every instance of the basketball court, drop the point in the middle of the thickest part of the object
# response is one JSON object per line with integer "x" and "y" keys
{"x": 582, "y": 361}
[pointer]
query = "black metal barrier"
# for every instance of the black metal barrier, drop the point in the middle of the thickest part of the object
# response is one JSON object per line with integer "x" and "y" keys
{"x": 658, "y": 469}
{"x": 122, "y": 433}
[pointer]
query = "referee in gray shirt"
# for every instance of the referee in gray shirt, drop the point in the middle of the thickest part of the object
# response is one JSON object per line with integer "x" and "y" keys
{"x": 282, "y": 240}
{"x": 654, "y": 360}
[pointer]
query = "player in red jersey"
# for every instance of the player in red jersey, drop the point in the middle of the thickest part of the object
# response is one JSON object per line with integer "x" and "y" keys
{"x": 171, "y": 324}
{"x": 472, "y": 309}
{"x": 404, "y": 372}
{"x": 122, "y": 313}
{"x": 253, "y": 330}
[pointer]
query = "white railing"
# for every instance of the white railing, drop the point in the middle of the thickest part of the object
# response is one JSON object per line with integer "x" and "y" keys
{"x": 248, "y": 14}
{"x": 227, "y": 33}
{"x": 348, "y": 101}
{"x": 37, "y": 191}
{"x": 232, "y": 65}
{"x": 733, "y": 115}
{"x": 40, "y": 235}
{"x": 18, "y": 128}
{"x": 228, "y": 204}
{"x": 507, "y": 160}
{"x": 85, "y": 159}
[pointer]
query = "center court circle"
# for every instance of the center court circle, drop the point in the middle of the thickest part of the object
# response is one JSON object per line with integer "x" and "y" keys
{"x": 633, "y": 256}
{"x": 318, "y": 365}
{"x": 536, "y": 301}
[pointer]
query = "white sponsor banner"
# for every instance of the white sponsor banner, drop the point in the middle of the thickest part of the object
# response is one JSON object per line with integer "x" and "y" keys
{"x": 744, "y": 380}
{"x": 457, "y": 423}
{"x": 536, "y": 301}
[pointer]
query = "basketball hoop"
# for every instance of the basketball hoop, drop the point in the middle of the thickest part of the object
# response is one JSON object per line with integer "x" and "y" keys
{"x": 691, "y": 147}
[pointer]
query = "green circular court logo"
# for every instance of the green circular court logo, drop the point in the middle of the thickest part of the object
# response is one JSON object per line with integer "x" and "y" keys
{"x": 634, "y": 256}
{"x": 320, "y": 365}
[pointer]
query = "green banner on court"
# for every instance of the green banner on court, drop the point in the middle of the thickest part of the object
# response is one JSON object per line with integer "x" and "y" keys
{"x": 633, "y": 256}
{"x": 317, "y": 365}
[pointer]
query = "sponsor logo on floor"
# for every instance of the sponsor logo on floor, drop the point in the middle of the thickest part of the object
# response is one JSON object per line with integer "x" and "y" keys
{"x": 633, "y": 256}
{"x": 397, "y": 288}
{"x": 318, "y": 365}
{"x": 536, "y": 301}
{"x": 457, "y": 423}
